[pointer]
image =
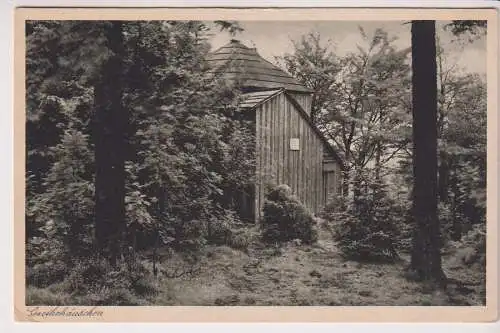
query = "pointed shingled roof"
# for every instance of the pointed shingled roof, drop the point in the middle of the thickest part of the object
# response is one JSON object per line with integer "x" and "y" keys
{"x": 247, "y": 65}
{"x": 254, "y": 99}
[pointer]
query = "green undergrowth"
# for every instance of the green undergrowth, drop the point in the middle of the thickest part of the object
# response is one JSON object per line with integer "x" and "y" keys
{"x": 291, "y": 274}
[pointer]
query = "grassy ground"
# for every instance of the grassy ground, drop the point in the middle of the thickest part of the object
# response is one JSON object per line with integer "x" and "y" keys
{"x": 294, "y": 274}
{"x": 312, "y": 275}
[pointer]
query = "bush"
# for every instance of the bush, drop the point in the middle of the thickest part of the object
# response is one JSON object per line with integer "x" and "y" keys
{"x": 110, "y": 297}
{"x": 229, "y": 230}
{"x": 453, "y": 223}
{"x": 43, "y": 274}
{"x": 285, "y": 218}
{"x": 219, "y": 230}
{"x": 46, "y": 297}
{"x": 471, "y": 248}
{"x": 369, "y": 228}
{"x": 94, "y": 281}
{"x": 46, "y": 257}
{"x": 242, "y": 238}
{"x": 88, "y": 276}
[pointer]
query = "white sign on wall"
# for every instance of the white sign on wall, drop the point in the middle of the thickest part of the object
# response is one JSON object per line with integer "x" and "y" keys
{"x": 294, "y": 144}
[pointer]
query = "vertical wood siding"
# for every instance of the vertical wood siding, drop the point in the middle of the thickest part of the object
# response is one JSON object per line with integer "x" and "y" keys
{"x": 305, "y": 100}
{"x": 277, "y": 122}
{"x": 258, "y": 162}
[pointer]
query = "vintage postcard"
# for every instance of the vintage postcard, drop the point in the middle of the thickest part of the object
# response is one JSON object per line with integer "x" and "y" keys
{"x": 266, "y": 164}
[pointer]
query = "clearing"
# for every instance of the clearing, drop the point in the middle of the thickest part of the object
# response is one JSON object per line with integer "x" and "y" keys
{"x": 298, "y": 274}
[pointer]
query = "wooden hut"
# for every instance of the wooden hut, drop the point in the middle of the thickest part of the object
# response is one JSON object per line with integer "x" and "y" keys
{"x": 289, "y": 147}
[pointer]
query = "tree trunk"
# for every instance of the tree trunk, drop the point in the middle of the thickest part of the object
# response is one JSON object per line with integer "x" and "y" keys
{"x": 109, "y": 128}
{"x": 426, "y": 255}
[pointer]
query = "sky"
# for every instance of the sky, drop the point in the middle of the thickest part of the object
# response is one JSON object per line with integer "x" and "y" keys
{"x": 274, "y": 38}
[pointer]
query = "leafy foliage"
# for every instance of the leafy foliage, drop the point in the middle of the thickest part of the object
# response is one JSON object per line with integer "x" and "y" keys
{"x": 285, "y": 218}
{"x": 362, "y": 103}
{"x": 370, "y": 227}
{"x": 472, "y": 27}
{"x": 470, "y": 252}
{"x": 64, "y": 211}
{"x": 191, "y": 151}
{"x": 315, "y": 66}
{"x": 188, "y": 145}
{"x": 93, "y": 281}
{"x": 462, "y": 147}
{"x": 360, "y": 99}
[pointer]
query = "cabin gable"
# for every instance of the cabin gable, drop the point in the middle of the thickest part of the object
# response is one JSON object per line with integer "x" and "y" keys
{"x": 290, "y": 150}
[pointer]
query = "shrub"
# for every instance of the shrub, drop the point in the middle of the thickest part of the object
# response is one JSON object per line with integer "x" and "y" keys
{"x": 369, "y": 228}
{"x": 45, "y": 297}
{"x": 219, "y": 229}
{"x": 105, "y": 296}
{"x": 88, "y": 275}
{"x": 228, "y": 229}
{"x": 110, "y": 296}
{"x": 241, "y": 239}
{"x": 453, "y": 223}
{"x": 94, "y": 281}
{"x": 46, "y": 257}
{"x": 43, "y": 274}
{"x": 144, "y": 286}
{"x": 285, "y": 218}
{"x": 471, "y": 248}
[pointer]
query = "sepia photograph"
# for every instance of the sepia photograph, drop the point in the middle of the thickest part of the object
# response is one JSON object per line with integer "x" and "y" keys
{"x": 326, "y": 163}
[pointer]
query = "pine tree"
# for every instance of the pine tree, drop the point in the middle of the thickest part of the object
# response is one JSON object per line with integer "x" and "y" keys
{"x": 110, "y": 125}
{"x": 426, "y": 251}
{"x": 167, "y": 136}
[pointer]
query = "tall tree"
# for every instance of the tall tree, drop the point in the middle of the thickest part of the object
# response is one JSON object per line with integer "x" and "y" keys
{"x": 426, "y": 254}
{"x": 110, "y": 146}
{"x": 317, "y": 67}
{"x": 461, "y": 145}
{"x": 471, "y": 27}
{"x": 359, "y": 100}
{"x": 134, "y": 88}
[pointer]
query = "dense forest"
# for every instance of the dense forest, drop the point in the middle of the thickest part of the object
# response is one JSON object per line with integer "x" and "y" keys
{"x": 136, "y": 150}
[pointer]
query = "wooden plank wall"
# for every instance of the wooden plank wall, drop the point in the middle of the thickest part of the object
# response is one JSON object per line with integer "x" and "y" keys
{"x": 304, "y": 99}
{"x": 277, "y": 122}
